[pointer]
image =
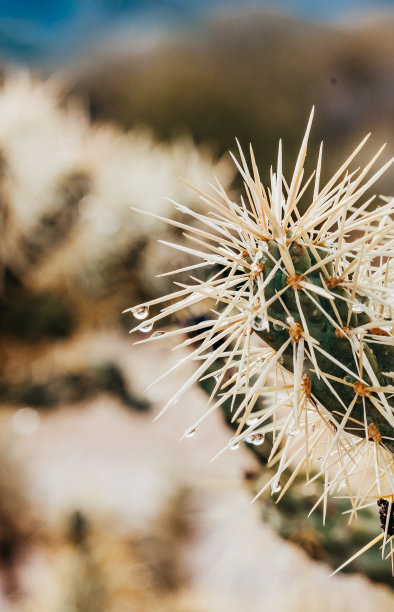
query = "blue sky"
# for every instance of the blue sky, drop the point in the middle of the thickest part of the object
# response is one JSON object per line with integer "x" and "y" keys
{"x": 40, "y": 30}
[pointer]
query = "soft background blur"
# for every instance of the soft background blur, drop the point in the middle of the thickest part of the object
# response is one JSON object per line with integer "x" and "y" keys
{"x": 108, "y": 104}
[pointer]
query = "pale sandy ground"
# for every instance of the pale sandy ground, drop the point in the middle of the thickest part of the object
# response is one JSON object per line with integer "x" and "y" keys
{"x": 122, "y": 466}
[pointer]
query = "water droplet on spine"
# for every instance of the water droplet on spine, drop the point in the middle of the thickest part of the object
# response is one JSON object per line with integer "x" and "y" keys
{"x": 257, "y": 439}
{"x": 276, "y": 487}
{"x": 234, "y": 446}
{"x": 146, "y": 327}
{"x": 190, "y": 433}
{"x": 260, "y": 324}
{"x": 141, "y": 312}
{"x": 294, "y": 431}
{"x": 157, "y": 334}
{"x": 251, "y": 420}
{"x": 357, "y": 307}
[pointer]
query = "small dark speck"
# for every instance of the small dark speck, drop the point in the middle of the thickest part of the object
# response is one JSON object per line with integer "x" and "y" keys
{"x": 333, "y": 81}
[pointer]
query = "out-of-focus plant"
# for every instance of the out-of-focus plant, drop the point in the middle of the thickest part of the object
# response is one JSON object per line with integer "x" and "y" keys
{"x": 66, "y": 185}
{"x": 68, "y": 240}
{"x": 298, "y": 308}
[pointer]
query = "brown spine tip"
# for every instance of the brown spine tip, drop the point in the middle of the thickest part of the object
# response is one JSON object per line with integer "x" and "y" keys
{"x": 306, "y": 385}
{"x": 343, "y": 332}
{"x": 296, "y": 332}
{"x": 374, "y": 433}
{"x": 376, "y": 331}
{"x": 332, "y": 282}
{"x": 294, "y": 281}
{"x": 361, "y": 388}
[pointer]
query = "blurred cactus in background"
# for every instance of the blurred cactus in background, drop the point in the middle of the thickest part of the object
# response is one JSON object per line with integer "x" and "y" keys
{"x": 68, "y": 240}
{"x": 298, "y": 308}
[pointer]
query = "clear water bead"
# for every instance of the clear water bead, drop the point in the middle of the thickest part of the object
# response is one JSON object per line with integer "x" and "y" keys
{"x": 190, "y": 433}
{"x": 234, "y": 446}
{"x": 257, "y": 439}
{"x": 157, "y": 334}
{"x": 276, "y": 487}
{"x": 146, "y": 327}
{"x": 141, "y": 312}
{"x": 251, "y": 420}
{"x": 294, "y": 431}
{"x": 357, "y": 307}
{"x": 260, "y": 324}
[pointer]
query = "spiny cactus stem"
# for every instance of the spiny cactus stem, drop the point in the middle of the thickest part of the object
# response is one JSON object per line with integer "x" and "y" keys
{"x": 335, "y": 382}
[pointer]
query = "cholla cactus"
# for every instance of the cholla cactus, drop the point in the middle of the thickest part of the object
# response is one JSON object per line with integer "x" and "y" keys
{"x": 300, "y": 312}
{"x": 70, "y": 200}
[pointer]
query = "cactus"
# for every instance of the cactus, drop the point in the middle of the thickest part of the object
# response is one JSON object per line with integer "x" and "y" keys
{"x": 299, "y": 310}
{"x": 68, "y": 238}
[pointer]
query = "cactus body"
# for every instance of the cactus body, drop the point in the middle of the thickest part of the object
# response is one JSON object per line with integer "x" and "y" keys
{"x": 334, "y": 339}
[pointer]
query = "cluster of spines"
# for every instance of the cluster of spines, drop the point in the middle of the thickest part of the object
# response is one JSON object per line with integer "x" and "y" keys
{"x": 318, "y": 294}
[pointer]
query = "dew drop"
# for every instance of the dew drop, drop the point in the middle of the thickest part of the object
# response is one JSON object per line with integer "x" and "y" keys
{"x": 260, "y": 324}
{"x": 190, "y": 433}
{"x": 251, "y": 420}
{"x": 294, "y": 431}
{"x": 157, "y": 334}
{"x": 234, "y": 446}
{"x": 256, "y": 439}
{"x": 146, "y": 327}
{"x": 217, "y": 377}
{"x": 357, "y": 307}
{"x": 276, "y": 487}
{"x": 141, "y": 312}
{"x": 278, "y": 326}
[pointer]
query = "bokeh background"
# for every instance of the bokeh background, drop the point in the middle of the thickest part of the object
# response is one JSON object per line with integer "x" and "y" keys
{"x": 107, "y": 105}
